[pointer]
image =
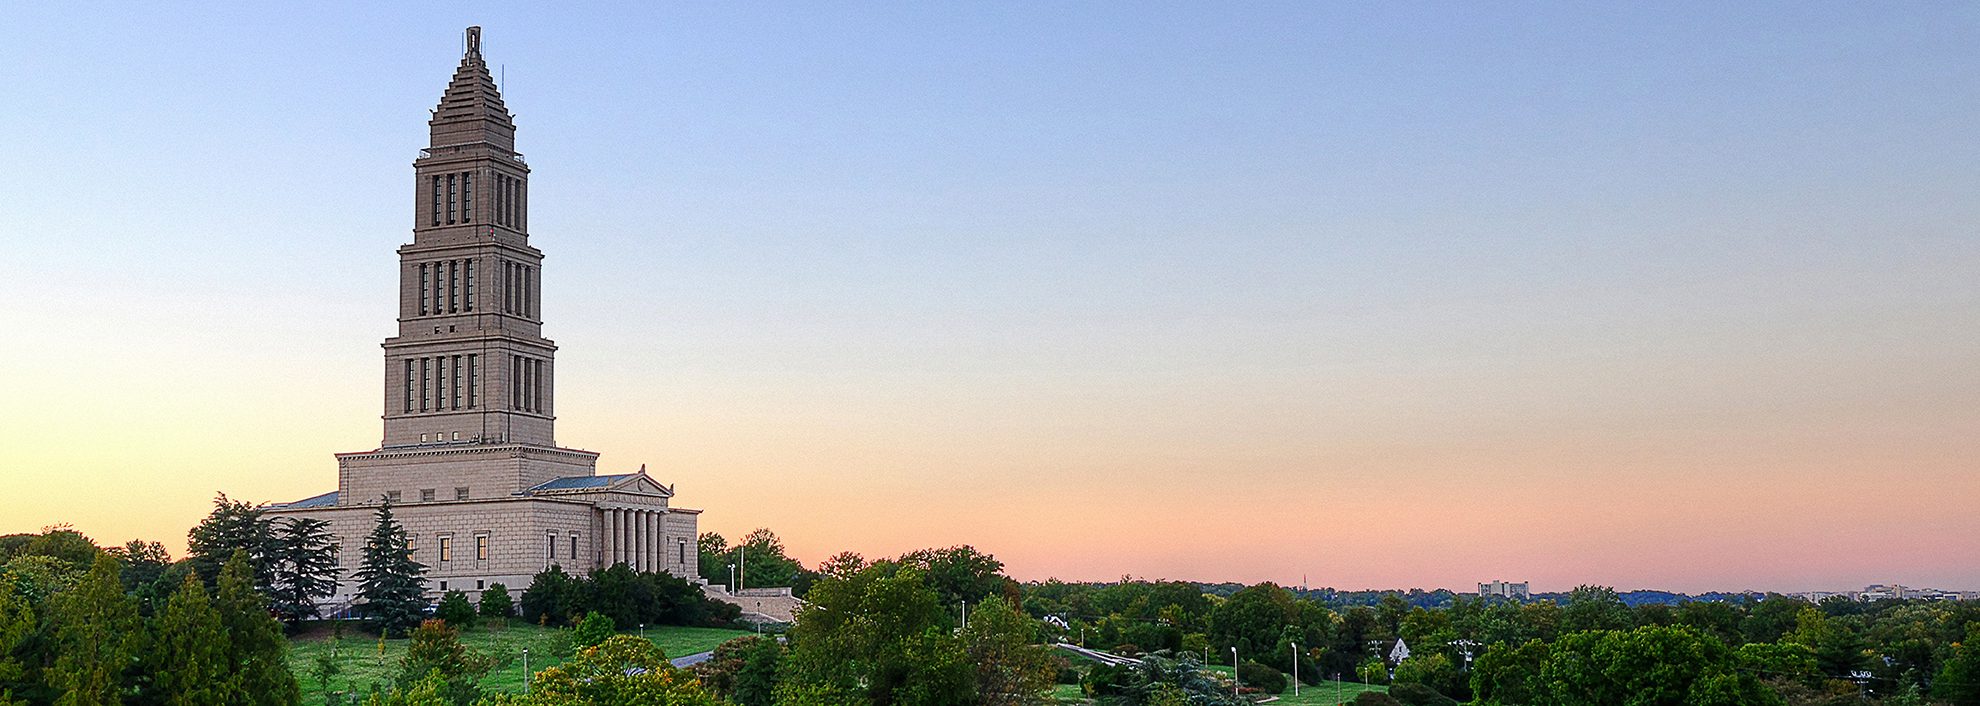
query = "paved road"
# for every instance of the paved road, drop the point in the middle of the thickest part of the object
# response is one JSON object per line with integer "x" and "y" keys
{"x": 691, "y": 660}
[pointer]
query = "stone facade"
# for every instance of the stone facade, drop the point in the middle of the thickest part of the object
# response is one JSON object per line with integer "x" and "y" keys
{"x": 469, "y": 458}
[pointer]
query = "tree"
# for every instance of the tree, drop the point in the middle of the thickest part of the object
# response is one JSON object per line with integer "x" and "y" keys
{"x": 881, "y": 636}
{"x": 1595, "y": 608}
{"x": 552, "y": 597}
{"x": 594, "y": 629}
{"x": 436, "y": 649}
{"x": 1648, "y": 666}
{"x": 961, "y": 574}
{"x": 232, "y": 526}
{"x": 456, "y": 610}
{"x": 303, "y": 567}
{"x": 496, "y": 602}
{"x": 63, "y": 544}
{"x": 17, "y": 625}
{"x": 389, "y": 581}
{"x": 256, "y": 651}
{"x": 744, "y": 670}
{"x": 98, "y": 636}
{"x": 763, "y": 562}
{"x": 1010, "y": 668}
{"x": 188, "y": 656}
{"x": 1959, "y": 678}
{"x": 1510, "y": 674}
{"x": 144, "y": 572}
{"x": 714, "y": 553}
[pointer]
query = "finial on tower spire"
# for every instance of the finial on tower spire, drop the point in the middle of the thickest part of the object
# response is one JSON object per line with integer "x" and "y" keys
{"x": 474, "y": 41}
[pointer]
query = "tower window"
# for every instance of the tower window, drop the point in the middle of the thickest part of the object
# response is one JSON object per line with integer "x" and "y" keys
{"x": 439, "y": 288}
{"x": 425, "y": 393}
{"x": 423, "y": 302}
{"x": 453, "y": 197}
{"x": 467, "y": 197}
{"x": 409, "y": 386}
{"x": 467, "y": 277}
{"x": 453, "y": 286}
{"x": 436, "y": 200}
{"x": 474, "y": 380}
{"x": 457, "y": 382}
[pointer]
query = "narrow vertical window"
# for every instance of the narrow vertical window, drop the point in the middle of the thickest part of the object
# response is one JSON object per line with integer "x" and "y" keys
{"x": 574, "y": 551}
{"x": 457, "y": 382}
{"x": 440, "y": 375}
{"x": 446, "y": 548}
{"x": 501, "y": 200}
{"x": 436, "y": 200}
{"x": 474, "y": 380}
{"x": 683, "y": 546}
{"x": 529, "y": 292}
{"x": 424, "y": 375}
{"x": 453, "y": 197}
{"x": 467, "y": 197}
{"x": 522, "y": 205}
{"x": 508, "y": 287}
{"x": 515, "y": 382}
{"x": 423, "y": 304}
{"x": 439, "y": 289}
{"x": 453, "y": 286}
{"x": 552, "y": 554}
{"x": 536, "y": 379}
{"x": 481, "y": 547}
{"x": 467, "y": 275}
{"x": 409, "y": 386}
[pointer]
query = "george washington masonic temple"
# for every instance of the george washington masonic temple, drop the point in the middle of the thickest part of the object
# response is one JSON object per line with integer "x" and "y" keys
{"x": 469, "y": 461}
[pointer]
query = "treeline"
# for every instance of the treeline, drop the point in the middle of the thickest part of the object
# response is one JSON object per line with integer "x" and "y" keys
{"x": 627, "y": 597}
{"x": 73, "y": 633}
{"x": 1769, "y": 650}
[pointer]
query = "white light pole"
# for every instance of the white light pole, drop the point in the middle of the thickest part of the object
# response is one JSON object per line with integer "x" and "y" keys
{"x": 525, "y": 670}
{"x": 1295, "y": 648}
{"x": 1234, "y": 672}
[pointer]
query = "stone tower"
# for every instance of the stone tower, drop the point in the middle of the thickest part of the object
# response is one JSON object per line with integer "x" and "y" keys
{"x": 469, "y": 454}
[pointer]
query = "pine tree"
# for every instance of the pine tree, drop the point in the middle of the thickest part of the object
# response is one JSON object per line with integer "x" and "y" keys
{"x": 305, "y": 567}
{"x": 233, "y": 525}
{"x": 391, "y": 583}
{"x": 97, "y": 637}
{"x": 256, "y": 650}
{"x": 188, "y": 656}
{"x": 16, "y": 626}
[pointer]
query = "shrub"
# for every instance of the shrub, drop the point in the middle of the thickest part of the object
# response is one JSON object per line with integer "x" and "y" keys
{"x": 1375, "y": 698}
{"x": 496, "y": 602}
{"x": 1261, "y": 677}
{"x": 595, "y": 628}
{"x": 456, "y": 610}
{"x": 1420, "y": 695}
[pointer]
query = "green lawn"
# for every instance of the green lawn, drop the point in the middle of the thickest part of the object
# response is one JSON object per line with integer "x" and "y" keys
{"x": 1324, "y": 693}
{"x": 1068, "y": 694}
{"x": 361, "y": 663}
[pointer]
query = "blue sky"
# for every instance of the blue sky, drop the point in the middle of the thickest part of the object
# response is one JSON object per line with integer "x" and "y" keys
{"x": 1061, "y": 270}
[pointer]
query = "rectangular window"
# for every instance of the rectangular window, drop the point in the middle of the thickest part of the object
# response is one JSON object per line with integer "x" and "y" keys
{"x": 467, "y": 276}
{"x": 515, "y": 382}
{"x": 574, "y": 551}
{"x": 529, "y": 292}
{"x": 423, "y": 306}
{"x": 440, "y": 375}
{"x": 446, "y": 548}
{"x": 425, "y": 393}
{"x": 536, "y": 382}
{"x": 453, "y": 197}
{"x": 522, "y": 205}
{"x": 683, "y": 546}
{"x": 392, "y": 495}
{"x": 456, "y": 396}
{"x": 481, "y": 547}
{"x": 460, "y": 493}
{"x": 426, "y": 495}
{"x": 474, "y": 380}
{"x": 453, "y": 286}
{"x": 439, "y": 289}
{"x": 552, "y": 553}
{"x": 467, "y": 197}
{"x": 409, "y": 386}
{"x": 436, "y": 200}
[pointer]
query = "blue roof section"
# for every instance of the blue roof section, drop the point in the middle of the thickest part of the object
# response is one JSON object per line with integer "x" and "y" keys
{"x": 325, "y": 500}
{"x": 580, "y": 482}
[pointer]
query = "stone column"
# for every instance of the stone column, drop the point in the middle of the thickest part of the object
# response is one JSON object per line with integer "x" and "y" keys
{"x": 651, "y": 540}
{"x": 610, "y": 540}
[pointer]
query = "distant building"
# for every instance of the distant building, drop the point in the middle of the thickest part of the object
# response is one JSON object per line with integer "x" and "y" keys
{"x": 1503, "y": 589}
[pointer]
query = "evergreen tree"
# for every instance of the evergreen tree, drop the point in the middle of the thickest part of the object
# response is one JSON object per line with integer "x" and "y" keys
{"x": 436, "y": 649}
{"x": 188, "y": 656}
{"x": 304, "y": 566}
{"x": 97, "y": 637}
{"x": 391, "y": 583}
{"x": 233, "y": 525}
{"x": 256, "y": 650}
{"x": 455, "y": 609}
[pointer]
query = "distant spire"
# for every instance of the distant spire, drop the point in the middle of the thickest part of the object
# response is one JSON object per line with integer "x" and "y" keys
{"x": 474, "y": 41}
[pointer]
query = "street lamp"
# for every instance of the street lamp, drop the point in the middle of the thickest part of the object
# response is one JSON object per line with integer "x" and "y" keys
{"x": 1234, "y": 672}
{"x": 525, "y": 670}
{"x": 1295, "y": 650}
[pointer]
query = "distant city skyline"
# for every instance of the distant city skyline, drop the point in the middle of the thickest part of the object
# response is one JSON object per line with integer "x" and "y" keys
{"x": 1676, "y": 298}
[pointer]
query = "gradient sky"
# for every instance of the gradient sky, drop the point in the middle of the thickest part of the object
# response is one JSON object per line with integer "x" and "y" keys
{"x": 1374, "y": 294}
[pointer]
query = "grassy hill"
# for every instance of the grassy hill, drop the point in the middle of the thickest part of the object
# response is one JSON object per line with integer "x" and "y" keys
{"x": 363, "y": 659}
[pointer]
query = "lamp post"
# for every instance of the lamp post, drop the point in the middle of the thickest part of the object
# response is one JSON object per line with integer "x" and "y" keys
{"x": 1295, "y": 650}
{"x": 1234, "y": 672}
{"x": 525, "y": 670}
